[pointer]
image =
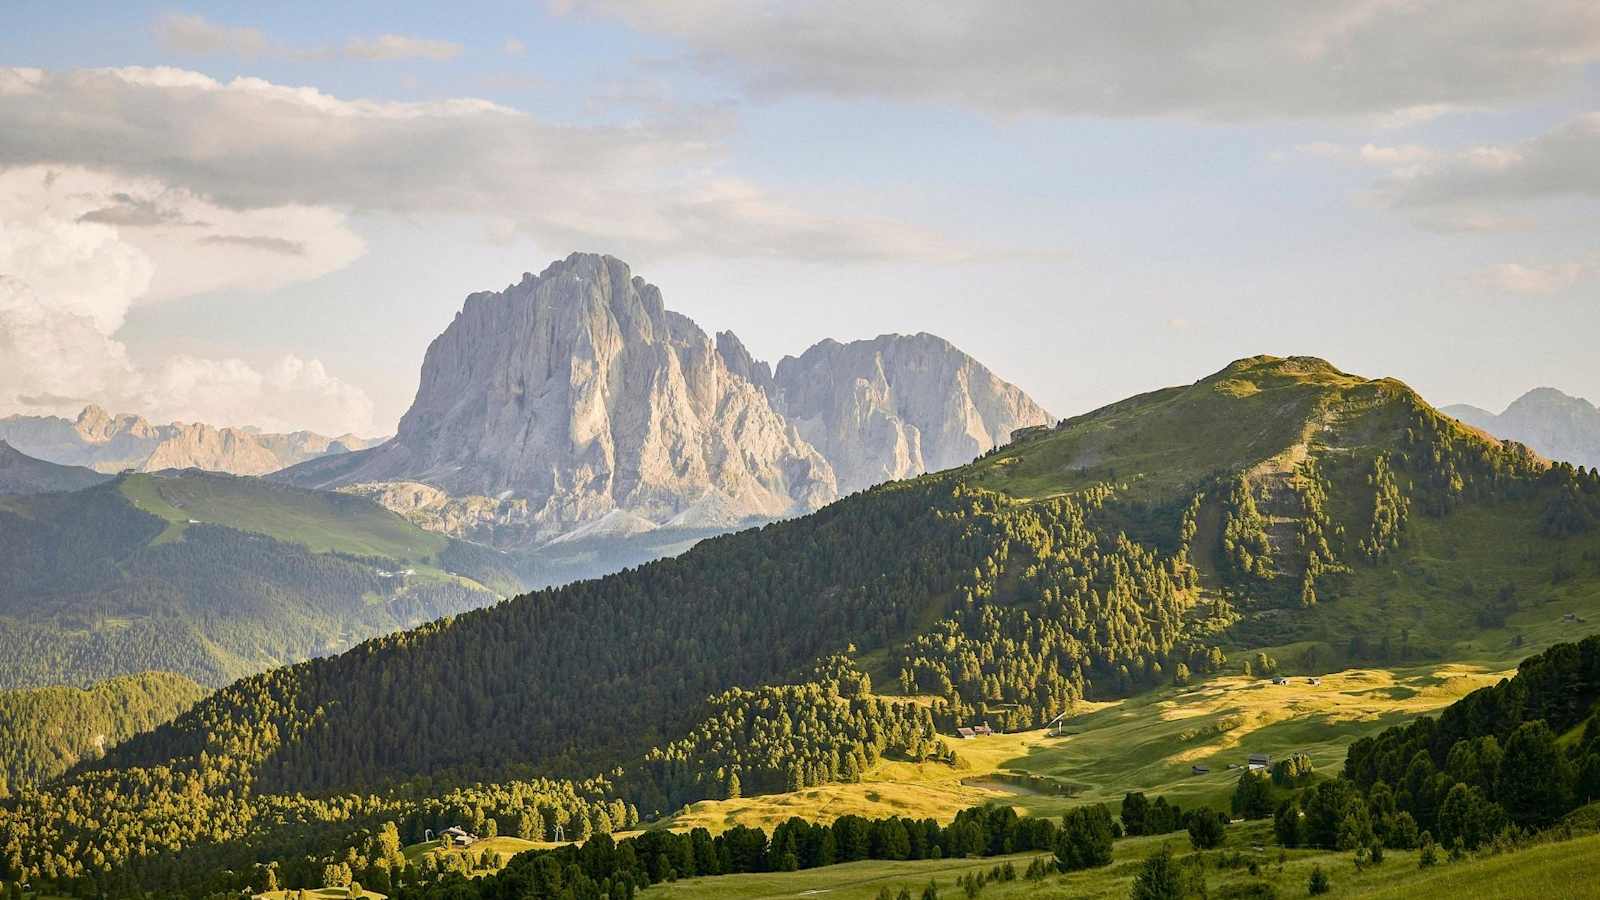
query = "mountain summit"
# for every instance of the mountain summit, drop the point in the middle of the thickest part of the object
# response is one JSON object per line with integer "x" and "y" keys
{"x": 1558, "y": 425}
{"x": 898, "y": 406}
{"x": 574, "y": 405}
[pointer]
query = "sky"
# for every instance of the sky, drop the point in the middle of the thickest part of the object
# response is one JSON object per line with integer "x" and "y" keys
{"x": 245, "y": 213}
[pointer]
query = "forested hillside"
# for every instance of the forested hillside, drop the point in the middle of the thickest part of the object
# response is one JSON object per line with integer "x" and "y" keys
{"x": 46, "y": 731}
{"x": 213, "y": 577}
{"x": 1143, "y": 543}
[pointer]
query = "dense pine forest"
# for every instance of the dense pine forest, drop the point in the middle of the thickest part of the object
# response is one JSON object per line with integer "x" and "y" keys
{"x": 46, "y": 731}
{"x": 1159, "y": 540}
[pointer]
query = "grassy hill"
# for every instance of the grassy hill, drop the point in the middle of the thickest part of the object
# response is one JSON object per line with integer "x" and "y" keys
{"x": 214, "y": 577}
{"x": 1336, "y": 524}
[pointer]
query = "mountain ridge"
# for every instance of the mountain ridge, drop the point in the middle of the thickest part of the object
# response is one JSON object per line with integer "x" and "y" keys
{"x": 23, "y": 474}
{"x": 1279, "y": 508}
{"x": 1557, "y": 425}
{"x": 109, "y": 443}
{"x": 940, "y": 541}
{"x": 584, "y": 395}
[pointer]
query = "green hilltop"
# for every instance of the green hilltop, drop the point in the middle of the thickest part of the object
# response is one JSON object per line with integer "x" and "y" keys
{"x": 1280, "y": 514}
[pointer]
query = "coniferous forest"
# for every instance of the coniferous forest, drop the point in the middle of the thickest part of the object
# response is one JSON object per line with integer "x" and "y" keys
{"x": 804, "y": 653}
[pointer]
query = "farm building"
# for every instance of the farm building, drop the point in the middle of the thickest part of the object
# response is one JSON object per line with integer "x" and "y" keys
{"x": 982, "y": 730}
{"x": 1259, "y": 761}
{"x": 1279, "y": 679}
{"x": 966, "y": 733}
{"x": 1200, "y": 770}
{"x": 456, "y": 836}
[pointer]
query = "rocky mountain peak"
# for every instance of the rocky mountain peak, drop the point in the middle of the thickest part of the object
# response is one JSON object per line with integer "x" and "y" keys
{"x": 1556, "y": 424}
{"x": 110, "y": 443}
{"x": 899, "y": 405}
{"x": 579, "y": 392}
{"x": 574, "y": 402}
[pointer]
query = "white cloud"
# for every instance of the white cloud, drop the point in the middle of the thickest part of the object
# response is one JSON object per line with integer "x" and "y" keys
{"x": 186, "y": 243}
{"x": 1385, "y": 157}
{"x": 49, "y": 349}
{"x": 193, "y": 35}
{"x": 386, "y": 47}
{"x": 289, "y": 395}
{"x": 1517, "y": 278}
{"x": 198, "y": 36}
{"x": 639, "y": 189}
{"x": 1561, "y": 162}
{"x": 1212, "y": 59}
{"x": 69, "y": 278}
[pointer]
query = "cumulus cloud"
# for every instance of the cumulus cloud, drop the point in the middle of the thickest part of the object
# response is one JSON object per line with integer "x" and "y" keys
{"x": 288, "y": 395}
{"x": 189, "y": 243}
{"x": 70, "y": 273}
{"x": 1517, "y": 278}
{"x": 640, "y": 189}
{"x": 1212, "y": 59}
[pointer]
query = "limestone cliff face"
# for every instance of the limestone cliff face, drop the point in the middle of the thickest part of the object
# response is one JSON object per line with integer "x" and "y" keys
{"x": 241, "y": 451}
{"x": 214, "y": 449}
{"x": 487, "y": 520}
{"x": 578, "y": 392}
{"x": 897, "y": 406}
{"x": 574, "y": 408}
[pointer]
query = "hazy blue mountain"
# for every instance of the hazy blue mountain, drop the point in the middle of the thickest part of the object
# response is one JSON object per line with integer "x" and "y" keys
{"x": 1557, "y": 425}
{"x": 22, "y": 474}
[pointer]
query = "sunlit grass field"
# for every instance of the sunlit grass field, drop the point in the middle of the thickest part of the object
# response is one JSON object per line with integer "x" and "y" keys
{"x": 1546, "y": 872}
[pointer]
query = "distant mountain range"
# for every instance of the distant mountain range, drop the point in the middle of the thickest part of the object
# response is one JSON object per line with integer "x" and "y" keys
{"x": 573, "y": 413}
{"x": 22, "y": 474}
{"x": 110, "y": 443}
{"x": 1557, "y": 425}
{"x": 213, "y": 576}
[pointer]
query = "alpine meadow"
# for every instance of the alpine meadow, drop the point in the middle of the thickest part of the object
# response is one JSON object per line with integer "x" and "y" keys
{"x": 859, "y": 502}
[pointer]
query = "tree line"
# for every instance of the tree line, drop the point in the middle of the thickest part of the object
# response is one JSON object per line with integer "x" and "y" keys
{"x": 604, "y": 869}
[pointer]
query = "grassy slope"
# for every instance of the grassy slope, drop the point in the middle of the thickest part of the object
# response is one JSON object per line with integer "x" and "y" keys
{"x": 1417, "y": 596}
{"x": 1167, "y": 439}
{"x": 1547, "y": 871}
{"x": 1426, "y": 587}
{"x": 1148, "y": 743}
{"x": 502, "y": 846}
{"x": 81, "y": 632}
{"x": 320, "y": 894}
{"x": 321, "y": 522}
